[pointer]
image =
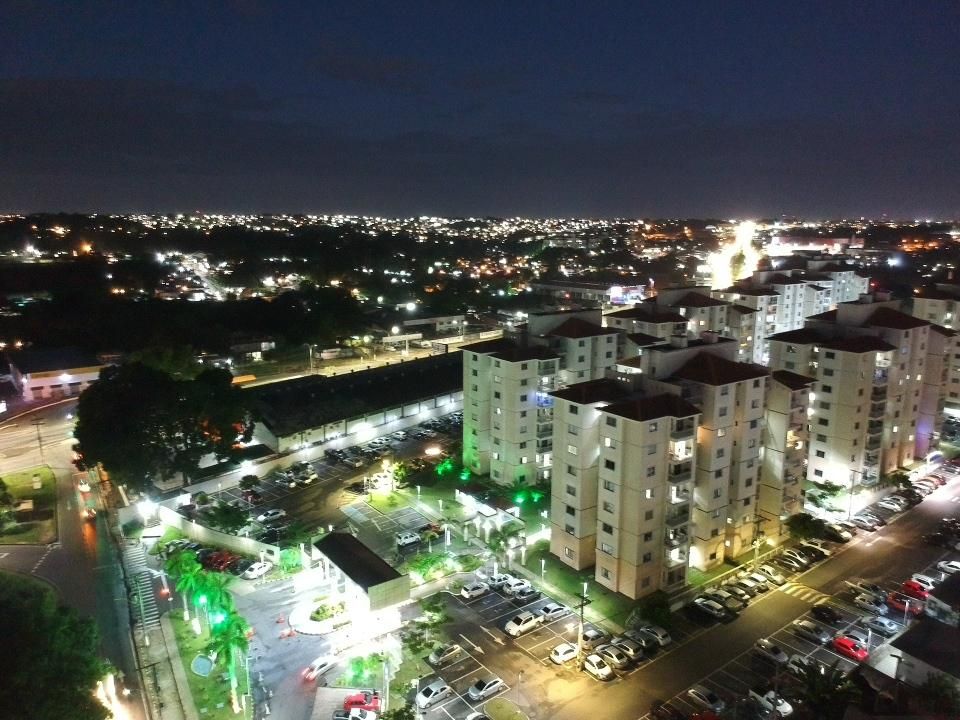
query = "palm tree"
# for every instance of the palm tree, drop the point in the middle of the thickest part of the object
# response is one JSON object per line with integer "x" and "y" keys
{"x": 185, "y": 568}
{"x": 215, "y": 588}
{"x": 229, "y": 639}
{"x": 826, "y": 690}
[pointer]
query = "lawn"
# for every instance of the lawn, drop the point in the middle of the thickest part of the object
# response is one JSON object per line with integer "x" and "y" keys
{"x": 211, "y": 694}
{"x": 40, "y": 525}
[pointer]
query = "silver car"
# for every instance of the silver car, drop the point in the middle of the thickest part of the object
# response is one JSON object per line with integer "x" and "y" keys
{"x": 809, "y": 630}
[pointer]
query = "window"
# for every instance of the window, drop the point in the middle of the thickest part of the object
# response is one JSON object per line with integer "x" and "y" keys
{"x": 645, "y": 582}
{"x": 717, "y": 493}
{"x": 753, "y": 424}
{"x": 608, "y": 442}
{"x": 609, "y": 465}
{"x": 582, "y": 343}
{"x": 824, "y": 405}
{"x": 652, "y": 471}
{"x": 604, "y": 573}
{"x": 568, "y": 553}
{"x": 713, "y": 533}
{"x": 607, "y": 548}
{"x": 754, "y": 403}
{"x": 756, "y": 383}
{"x": 571, "y": 490}
{"x": 611, "y": 421}
{"x": 574, "y": 410}
{"x": 652, "y": 427}
{"x": 572, "y": 449}
{"x": 608, "y": 507}
{"x": 829, "y": 355}
{"x": 818, "y": 473}
{"x": 570, "y": 530}
{"x": 647, "y": 557}
{"x": 722, "y": 412}
{"x": 648, "y": 515}
{"x": 523, "y": 445}
{"x": 722, "y": 432}
{"x": 571, "y": 470}
{"x": 609, "y": 354}
{"x": 474, "y": 372}
{"x": 721, "y": 452}
{"x": 823, "y": 421}
{"x": 523, "y": 398}
{"x": 828, "y": 372}
{"x": 647, "y": 536}
{"x": 718, "y": 473}
{"x": 524, "y": 460}
{"x": 648, "y": 494}
{"x": 609, "y": 486}
{"x": 826, "y": 388}
{"x": 821, "y": 438}
{"x": 820, "y": 453}
{"x": 571, "y": 511}
{"x": 651, "y": 450}
{"x": 724, "y": 391}
{"x": 573, "y": 429}
{"x": 607, "y": 528}
{"x": 746, "y": 502}
{"x": 523, "y": 429}
{"x": 496, "y": 394}
{"x": 581, "y": 358}
{"x": 523, "y": 413}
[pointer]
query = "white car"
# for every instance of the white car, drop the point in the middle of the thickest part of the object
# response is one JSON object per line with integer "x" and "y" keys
{"x": 870, "y": 603}
{"x": 592, "y": 638}
{"x": 597, "y": 666}
{"x": 433, "y": 693}
{"x": 949, "y": 566}
{"x": 706, "y": 698}
{"x": 798, "y": 663}
{"x": 614, "y": 656}
{"x": 772, "y": 574}
{"x": 83, "y": 486}
{"x": 771, "y": 701}
{"x": 271, "y": 515}
{"x": 881, "y": 625}
{"x": 405, "y": 539}
{"x": 318, "y": 667}
{"x": 484, "y": 688}
{"x": 498, "y": 581}
{"x": 474, "y": 590}
{"x": 444, "y": 654}
{"x": 564, "y": 652}
{"x": 361, "y": 714}
{"x": 925, "y": 581}
{"x": 552, "y": 611}
{"x": 258, "y": 569}
{"x": 761, "y": 581}
{"x": 819, "y": 545}
{"x": 516, "y": 585}
{"x": 522, "y": 623}
{"x": 770, "y": 651}
{"x": 891, "y": 505}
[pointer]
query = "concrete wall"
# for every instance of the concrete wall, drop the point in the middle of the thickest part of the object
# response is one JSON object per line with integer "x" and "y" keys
{"x": 202, "y": 534}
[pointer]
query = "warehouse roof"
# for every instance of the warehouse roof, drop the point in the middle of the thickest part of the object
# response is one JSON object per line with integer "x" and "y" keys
{"x": 356, "y": 560}
{"x": 36, "y": 360}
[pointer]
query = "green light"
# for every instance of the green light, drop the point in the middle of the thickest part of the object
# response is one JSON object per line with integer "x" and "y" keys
{"x": 518, "y": 498}
{"x": 464, "y": 474}
{"x": 217, "y": 618}
{"x": 202, "y": 600}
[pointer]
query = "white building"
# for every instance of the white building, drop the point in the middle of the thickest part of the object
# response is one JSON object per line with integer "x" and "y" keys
{"x": 51, "y": 374}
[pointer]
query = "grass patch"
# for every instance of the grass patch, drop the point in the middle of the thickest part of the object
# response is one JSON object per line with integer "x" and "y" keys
{"x": 605, "y": 604}
{"x": 387, "y": 502}
{"x": 38, "y": 526}
{"x": 499, "y": 708}
{"x": 699, "y": 578}
{"x": 211, "y": 694}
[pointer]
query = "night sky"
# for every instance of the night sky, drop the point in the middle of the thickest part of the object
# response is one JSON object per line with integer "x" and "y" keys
{"x": 710, "y": 109}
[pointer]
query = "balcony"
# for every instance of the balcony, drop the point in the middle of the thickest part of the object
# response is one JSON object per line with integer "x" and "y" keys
{"x": 679, "y": 494}
{"x": 874, "y": 442}
{"x": 877, "y": 409}
{"x": 544, "y": 445}
{"x": 675, "y": 557}
{"x": 680, "y": 516}
{"x": 874, "y": 428}
{"x": 871, "y": 459}
{"x": 880, "y": 376}
{"x": 879, "y": 394}
{"x": 682, "y": 431}
{"x": 680, "y": 471}
{"x": 676, "y": 538}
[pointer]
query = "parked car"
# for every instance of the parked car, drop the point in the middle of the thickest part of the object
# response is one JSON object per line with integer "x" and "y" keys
{"x": 593, "y": 637}
{"x": 363, "y": 700}
{"x": 868, "y": 587}
{"x": 877, "y": 517}
{"x": 739, "y": 593}
{"x": 706, "y": 698}
{"x": 663, "y": 711}
{"x": 771, "y": 701}
{"x": 710, "y": 608}
{"x": 758, "y": 579}
{"x": 850, "y": 648}
{"x": 446, "y": 653}
{"x": 407, "y": 538}
{"x": 789, "y": 563}
{"x": 881, "y": 625}
{"x": 496, "y": 582}
{"x": 630, "y": 648}
{"x": 797, "y": 664}
{"x": 240, "y": 566}
{"x": 768, "y": 650}
{"x": 797, "y": 556}
{"x": 598, "y": 667}
{"x": 474, "y": 590}
{"x": 525, "y": 595}
{"x": 925, "y": 581}
{"x": 871, "y": 603}
{"x": 318, "y": 667}
{"x": 271, "y": 515}
{"x": 748, "y": 586}
{"x": 821, "y": 545}
{"x": 864, "y": 523}
{"x": 837, "y": 533}
{"x": 644, "y": 639}
{"x": 257, "y": 569}
{"x": 484, "y": 688}
{"x": 728, "y": 601}
{"x": 892, "y": 505}
{"x": 662, "y": 636}
{"x": 913, "y": 589}
{"x": 614, "y": 656}
{"x": 433, "y": 693}
{"x": 848, "y": 526}
{"x": 772, "y": 574}
{"x": 813, "y": 553}
{"x": 552, "y": 611}
{"x": 522, "y": 623}
{"x": 827, "y": 614}
{"x": 904, "y": 603}
{"x": 811, "y": 631}
{"x": 252, "y": 497}
{"x": 564, "y": 652}
{"x": 949, "y": 566}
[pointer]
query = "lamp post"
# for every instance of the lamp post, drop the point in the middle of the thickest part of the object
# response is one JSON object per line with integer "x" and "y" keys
{"x": 543, "y": 570}
{"x": 582, "y": 604}
{"x": 906, "y": 609}
{"x": 37, "y": 422}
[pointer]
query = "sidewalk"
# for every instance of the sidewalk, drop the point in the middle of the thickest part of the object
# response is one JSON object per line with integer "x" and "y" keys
{"x": 165, "y": 681}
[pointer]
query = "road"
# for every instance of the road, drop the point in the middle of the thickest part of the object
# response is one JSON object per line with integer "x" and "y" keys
{"x": 885, "y": 557}
{"x": 82, "y": 565}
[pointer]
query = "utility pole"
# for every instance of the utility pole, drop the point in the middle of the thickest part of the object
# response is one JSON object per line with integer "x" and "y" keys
{"x": 37, "y": 422}
{"x": 757, "y": 534}
{"x": 584, "y": 601}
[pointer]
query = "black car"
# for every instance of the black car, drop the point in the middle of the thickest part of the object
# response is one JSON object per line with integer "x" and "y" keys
{"x": 526, "y": 595}
{"x": 664, "y": 711}
{"x": 239, "y": 566}
{"x": 826, "y": 614}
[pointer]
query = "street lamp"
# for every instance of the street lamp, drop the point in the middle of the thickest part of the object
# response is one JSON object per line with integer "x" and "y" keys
{"x": 583, "y": 603}
{"x": 906, "y": 609}
{"x": 543, "y": 570}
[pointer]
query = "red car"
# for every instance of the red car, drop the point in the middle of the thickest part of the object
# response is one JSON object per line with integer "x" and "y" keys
{"x": 914, "y": 590}
{"x": 850, "y": 648}
{"x": 220, "y": 560}
{"x": 365, "y": 700}
{"x": 899, "y": 602}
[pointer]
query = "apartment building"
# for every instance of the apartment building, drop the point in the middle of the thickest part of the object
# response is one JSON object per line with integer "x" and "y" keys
{"x": 785, "y": 441}
{"x": 939, "y": 304}
{"x": 507, "y": 409}
{"x": 870, "y": 362}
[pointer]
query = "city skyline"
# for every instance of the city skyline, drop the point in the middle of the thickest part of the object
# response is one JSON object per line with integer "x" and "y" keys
{"x": 740, "y": 111}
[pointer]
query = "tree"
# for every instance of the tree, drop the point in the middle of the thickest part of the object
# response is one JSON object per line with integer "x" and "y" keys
{"x": 7, "y": 505}
{"x": 214, "y": 586}
{"x": 228, "y": 518}
{"x": 940, "y": 696}
{"x": 405, "y": 712}
{"x": 180, "y": 362}
{"x": 190, "y": 583}
{"x": 249, "y": 482}
{"x": 230, "y": 638}
{"x": 804, "y": 525}
{"x": 400, "y": 472}
{"x": 825, "y": 690}
{"x": 50, "y": 662}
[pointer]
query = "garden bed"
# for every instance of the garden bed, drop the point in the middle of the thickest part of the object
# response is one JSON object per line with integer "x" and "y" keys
{"x": 39, "y": 525}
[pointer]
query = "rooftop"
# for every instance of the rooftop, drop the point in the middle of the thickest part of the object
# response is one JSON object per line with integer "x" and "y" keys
{"x": 889, "y": 318}
{"x": 648, "y": 313}
{"x": 574, "y": 328}
{"x": 802, "y": 336}
{"x": 356, "y": 560}
{"x": 695, "y": 299}
{"x": 948, "y": 591}
{"x": 792, "y": 380}
{"x": 742, "y": 309}
{"x": 859, "y": 344}
{"x": 710, "y": 369}
{"x": 303, "y": 403}
{"x": 36, "y": 360}
{"x": 755, "y": 290}
{"x": 828, "y": 316}
{"x": 593, "y": 391}
{"x": 651, "y": 408}
{"x": 643, "y": 339}
{"x": 934, "y": 643}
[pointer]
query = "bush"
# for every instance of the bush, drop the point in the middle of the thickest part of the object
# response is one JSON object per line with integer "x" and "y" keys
{"x": 325, "y": 611}
{"x": 202, "y": 498}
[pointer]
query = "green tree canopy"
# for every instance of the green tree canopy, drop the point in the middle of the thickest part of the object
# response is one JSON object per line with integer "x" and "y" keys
{"x": 826, "y": 691}
{"x": 139, "y": 422}
{"x": 50, "y": 661}
{"x": 804, "y": 525}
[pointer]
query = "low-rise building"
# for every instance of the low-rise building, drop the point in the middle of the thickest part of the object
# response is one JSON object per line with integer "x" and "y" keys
{"x": 50, "y": 374}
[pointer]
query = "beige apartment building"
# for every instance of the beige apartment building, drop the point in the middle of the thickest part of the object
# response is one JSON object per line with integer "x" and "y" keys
{"x": 939, "y": 304}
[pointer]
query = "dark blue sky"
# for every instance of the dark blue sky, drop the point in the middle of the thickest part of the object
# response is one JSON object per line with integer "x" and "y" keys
{"x": 823, "y": 109}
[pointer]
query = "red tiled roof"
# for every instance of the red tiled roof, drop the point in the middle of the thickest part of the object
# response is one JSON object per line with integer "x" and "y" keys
{"x": 693, "y": 299}
{"x": 828, "y": 316}
{"x": 947, "y": 332}
{"x": 743, "y": 309}
{"x": 519, "y": 353}
{"x": 753, "y": 290}
{"x": 577, "y": 328}
{"x": 714, "y": 370}
{"x": 648, "y": 313}
{"x": 802, "y": 336}
{"x": 859, "y": 344}
{"x": 651, "y": 408}
{"x": 889, "y": 318}
{"x": 593, "y": 391}
{"x": 643, "y": 339}
{"x": 792, "y": 380}
{"x": 485, "y": 347}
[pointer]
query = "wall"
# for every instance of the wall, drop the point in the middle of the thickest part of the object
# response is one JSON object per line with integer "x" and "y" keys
{"x": 203, "y": 534}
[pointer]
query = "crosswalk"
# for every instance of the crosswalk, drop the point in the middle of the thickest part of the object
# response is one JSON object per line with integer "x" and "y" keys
{"x": 803, "y": 592}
